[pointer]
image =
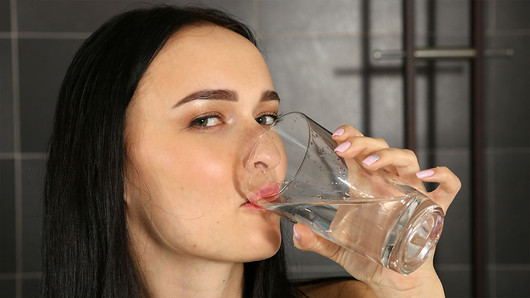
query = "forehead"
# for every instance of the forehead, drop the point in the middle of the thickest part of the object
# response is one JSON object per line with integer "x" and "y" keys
{"x": 207, "y": 43}
{"x": 208, "y": 52}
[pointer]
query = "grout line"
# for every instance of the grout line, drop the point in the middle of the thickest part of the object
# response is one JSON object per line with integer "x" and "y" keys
{"x": 53, "y": 35}
{"x": 453, "y": 267}
{"x": 493, "y": 15}
{"x": 255, "y": 19}
{"x": 23, "y": 275}
{"x": 490, "y": 195}
{"x": 22, "y": 156}
{"x": 84, "y": 35}
{"x": 46, "y": 35}
{"x": 509, "y": 267}
{"x": 463, "y": 150}
{"x": 16, "y": 146}
{"x": 507, "y": 33}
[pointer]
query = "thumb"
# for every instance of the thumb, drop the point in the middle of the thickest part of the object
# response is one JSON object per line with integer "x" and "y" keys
{"x": 305, "y": 239}
{"x": 358, "y": 266}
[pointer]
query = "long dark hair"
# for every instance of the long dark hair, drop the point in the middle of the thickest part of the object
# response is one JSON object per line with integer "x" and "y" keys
{"x": 85, "y": 239}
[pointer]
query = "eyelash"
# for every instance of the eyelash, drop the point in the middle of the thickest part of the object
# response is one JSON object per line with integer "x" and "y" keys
{"x": 199, "y": 121}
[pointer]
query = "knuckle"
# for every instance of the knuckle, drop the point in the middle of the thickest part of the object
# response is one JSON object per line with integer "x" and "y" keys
{"x": 382, "y": 141}
{"x": 448, "y": 175}
{"x": 409, "y": 153}
{"x": 458, "y": 183}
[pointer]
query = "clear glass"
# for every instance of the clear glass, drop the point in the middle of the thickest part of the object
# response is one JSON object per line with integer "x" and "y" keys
{"x": 293, "y": 171}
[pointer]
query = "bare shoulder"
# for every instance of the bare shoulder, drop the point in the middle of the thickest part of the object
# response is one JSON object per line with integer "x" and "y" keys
{"x": 339, "y": 289}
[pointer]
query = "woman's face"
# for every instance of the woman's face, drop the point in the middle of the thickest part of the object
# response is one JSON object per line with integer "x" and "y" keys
{"x": 189, "y": 130}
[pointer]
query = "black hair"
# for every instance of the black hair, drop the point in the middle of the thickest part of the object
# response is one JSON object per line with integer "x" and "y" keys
{"x": 85, "y": 239}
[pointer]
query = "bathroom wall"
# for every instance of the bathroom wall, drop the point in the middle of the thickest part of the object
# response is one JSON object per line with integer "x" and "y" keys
{"x": 319, "y": 54}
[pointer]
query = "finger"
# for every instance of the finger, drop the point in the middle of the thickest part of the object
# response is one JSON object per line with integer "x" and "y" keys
{"x": 357, "y": 265}
{"x": 449, "y": 186}
{"x": 402, "y": 162}
{"x": 360, "y": 147}
{"x": 305, "y": 239}
{"x": 342, "y": 133}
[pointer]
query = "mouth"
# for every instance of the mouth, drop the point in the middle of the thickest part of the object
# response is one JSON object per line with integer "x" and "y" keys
{"x": 267, "y": 194}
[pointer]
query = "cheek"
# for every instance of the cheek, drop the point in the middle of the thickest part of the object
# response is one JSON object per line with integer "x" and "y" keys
{"x": 194, "y": 202}
{"x": 191, "y": 182}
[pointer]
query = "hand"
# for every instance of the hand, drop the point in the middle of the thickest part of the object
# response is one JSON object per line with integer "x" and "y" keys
{"x": 376, "y": 154}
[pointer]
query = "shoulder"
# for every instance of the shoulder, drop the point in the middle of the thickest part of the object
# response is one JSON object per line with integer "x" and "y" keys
{"x": 339, "y": 289}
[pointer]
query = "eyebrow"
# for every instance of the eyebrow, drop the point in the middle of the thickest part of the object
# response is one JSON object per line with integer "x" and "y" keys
{"x": 223, "y": 94}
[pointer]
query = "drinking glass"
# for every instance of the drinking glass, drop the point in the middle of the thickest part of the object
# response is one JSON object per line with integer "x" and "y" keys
{"x": 293, "y": 171}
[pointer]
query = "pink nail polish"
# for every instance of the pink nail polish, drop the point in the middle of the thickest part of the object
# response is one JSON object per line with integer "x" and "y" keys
{"x": 370, "y": 160}
{"x": 425, "y": 174}
{"x": 296, "y": 235}
{"x": 342, "y": 147}
{"x": 338, "y": 132}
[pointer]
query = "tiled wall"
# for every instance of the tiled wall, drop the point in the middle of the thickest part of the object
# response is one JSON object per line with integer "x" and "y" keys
{"x": 319, "y": 53}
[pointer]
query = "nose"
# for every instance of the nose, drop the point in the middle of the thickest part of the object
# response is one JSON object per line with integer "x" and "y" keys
{"x": 265, "y": 153}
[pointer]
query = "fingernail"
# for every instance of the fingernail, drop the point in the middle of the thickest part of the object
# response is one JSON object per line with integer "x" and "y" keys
{"x": 342, "y": 147}
{"x": 338, "y": 132}
{"x": 371, "y": 159}
{"x": 425, "y": 174}
{"x": 296, "y": 235}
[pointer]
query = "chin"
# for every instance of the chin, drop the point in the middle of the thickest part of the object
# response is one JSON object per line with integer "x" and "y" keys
{"x": 263, "y": 246}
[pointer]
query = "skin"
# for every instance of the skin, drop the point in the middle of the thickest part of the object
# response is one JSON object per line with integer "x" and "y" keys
{"x": 189, "y": 219}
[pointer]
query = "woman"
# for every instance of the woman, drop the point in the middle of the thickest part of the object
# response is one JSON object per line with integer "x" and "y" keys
{"x": 152, "y": 127}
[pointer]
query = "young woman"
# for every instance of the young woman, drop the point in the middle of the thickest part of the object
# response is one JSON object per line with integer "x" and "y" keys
{"x": 154, "y": 122}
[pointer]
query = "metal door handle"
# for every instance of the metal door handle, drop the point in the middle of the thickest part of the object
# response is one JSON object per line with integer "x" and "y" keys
{"x": 442, "y": 53}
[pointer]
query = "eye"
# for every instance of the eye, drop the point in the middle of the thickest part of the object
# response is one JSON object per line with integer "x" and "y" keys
{"x": 267, "y": 119}
{"x": 206, "y": 121}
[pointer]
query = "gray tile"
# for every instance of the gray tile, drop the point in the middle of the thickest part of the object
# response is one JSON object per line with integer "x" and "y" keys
{"x": 511, "y": 207}
{"x": 513, "y": 15}
{"x": 387, "y": 110}
{"x": 5, "y": 15}
{"x": 7, "y": 217}
{"x": 507, "y": 100}
{"x": 384, "y": 17}
{"x": 382, "y": 86}
{"x": 31, "y": 288}
{"x": 67, "y": 16}
{"x": 87, "y": 16}
{"x": 243, "y": 10}
{"x": 32, "y": 185}
{"x": 317, "y": 76}
{"x": 7, "y": 288}
{"x": 457, "y": 283}
{"x": 444, "y": 17}
{"x": 278, "y": 17}
{"x": 489, "y": 15}
{"x": 512, "y": 283}
{"x": 43, "y": 64}
{"x": 6, "y": 97}
{"x": 442, "y": 95}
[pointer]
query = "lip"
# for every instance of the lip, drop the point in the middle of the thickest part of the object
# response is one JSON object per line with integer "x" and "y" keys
{"x": 266, "y": 194}
{"x": 251, "y": 205}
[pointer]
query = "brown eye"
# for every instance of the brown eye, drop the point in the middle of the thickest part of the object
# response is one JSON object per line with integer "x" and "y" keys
{"x": 266, "y": 119}
{"x": 206, "y": 121}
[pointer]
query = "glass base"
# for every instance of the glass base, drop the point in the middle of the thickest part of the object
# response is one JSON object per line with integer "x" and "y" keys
{"x": 417, "y": 231}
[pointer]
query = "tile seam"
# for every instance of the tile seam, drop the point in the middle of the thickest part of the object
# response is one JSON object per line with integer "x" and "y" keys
{"x": 16, "y": 146}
